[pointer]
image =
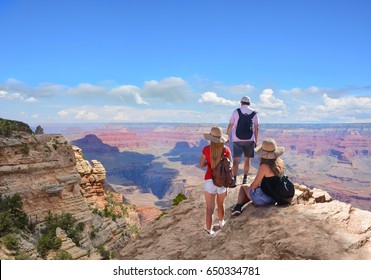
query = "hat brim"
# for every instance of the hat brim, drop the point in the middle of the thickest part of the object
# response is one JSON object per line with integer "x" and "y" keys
{"x": 269, "y": 155}
{"x": 212, "y": 138}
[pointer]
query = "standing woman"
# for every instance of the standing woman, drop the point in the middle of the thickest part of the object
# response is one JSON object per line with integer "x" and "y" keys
{"x": 210, "y": 157}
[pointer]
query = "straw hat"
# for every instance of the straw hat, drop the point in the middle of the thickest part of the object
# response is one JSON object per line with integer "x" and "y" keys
{"x": 216, "y": 135}
{"x": 269, "y": 150}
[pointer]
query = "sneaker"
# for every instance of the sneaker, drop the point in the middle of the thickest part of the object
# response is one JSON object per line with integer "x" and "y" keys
{"x": 237, "y": 210}
{"x": 210, "y": 231}
{"x": 244, "y": 181}
{"x": 221, "y": 223}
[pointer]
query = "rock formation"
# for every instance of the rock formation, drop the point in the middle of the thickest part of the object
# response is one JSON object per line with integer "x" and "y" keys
{"x": 92, "y": 179}
{"x": 43, "y": 170}
{"x": 313, "y": 227}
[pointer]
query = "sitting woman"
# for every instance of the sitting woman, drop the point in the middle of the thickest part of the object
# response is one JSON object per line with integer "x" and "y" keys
{"x": 270, "y": 170}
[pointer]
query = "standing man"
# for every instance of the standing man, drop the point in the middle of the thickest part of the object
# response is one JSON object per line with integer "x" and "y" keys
{"x": 244, "y": 124}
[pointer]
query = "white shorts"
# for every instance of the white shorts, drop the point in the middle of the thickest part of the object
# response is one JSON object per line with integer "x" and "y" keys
{"x": 211, "y": 188}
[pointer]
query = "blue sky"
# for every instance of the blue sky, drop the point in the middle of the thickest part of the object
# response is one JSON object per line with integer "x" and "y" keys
{"x": 184, "y": 61}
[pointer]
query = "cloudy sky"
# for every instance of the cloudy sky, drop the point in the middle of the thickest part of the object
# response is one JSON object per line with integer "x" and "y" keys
{"x": 184, "y": 61}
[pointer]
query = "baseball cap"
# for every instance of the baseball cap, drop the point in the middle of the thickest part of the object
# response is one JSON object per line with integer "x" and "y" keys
{"x": 245, "y": 99}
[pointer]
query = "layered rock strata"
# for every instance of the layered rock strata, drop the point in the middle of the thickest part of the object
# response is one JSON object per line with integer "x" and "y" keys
{"x": 43, "y": 169}
{"x": 92, "y": 179}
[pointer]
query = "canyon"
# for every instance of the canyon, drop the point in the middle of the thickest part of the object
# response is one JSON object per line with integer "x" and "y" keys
{"x": 335, "y": 157}
{"x": 52, "y": 174}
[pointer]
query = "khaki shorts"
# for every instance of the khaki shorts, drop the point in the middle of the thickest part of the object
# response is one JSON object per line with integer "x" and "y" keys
{"x": 245, "y": 147}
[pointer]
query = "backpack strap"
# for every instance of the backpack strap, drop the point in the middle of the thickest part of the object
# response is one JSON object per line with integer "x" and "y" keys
{"x": 252, "y": 114}
{"x": 241, "y": 114}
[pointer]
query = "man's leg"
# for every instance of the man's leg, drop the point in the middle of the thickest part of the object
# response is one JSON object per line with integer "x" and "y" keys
{"x": 237, "y": 153}
{"x": 236, "y": 163}
{"x": 246, "y": 169}
{"x": 248, "y": 153}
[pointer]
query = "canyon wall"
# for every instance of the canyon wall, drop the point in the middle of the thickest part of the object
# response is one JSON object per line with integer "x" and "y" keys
{"x": 50, "y": 178}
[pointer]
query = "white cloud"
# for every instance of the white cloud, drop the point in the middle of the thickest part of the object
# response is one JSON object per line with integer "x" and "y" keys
{"x": 269, "y": 101}
{"x": 240, "y": 88}
{"x": 120, "y": 116}
{"x": 308, "y": 91}
{"x": 15, "y": 96}
{"x": 31, "y": 100}
{"x": 211, "y": 98}
{"x": 129, "y": 114}
{"x": 84, "y": 113}
{"x": 48, "y": 90}
{"x": 172, "y": 89}
{"x": 63, "y": 114}
{"x": 9, "y": 96}
{"x": 87, "y": 90}
{"x": 129, "y": 93}
{"x": 343, "y": 109}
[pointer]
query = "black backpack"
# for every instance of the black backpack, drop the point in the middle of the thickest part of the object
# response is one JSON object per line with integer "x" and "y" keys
{"x": 222, "y": 173}
{"x": 244, "y": 129}
{"x": 284, "y": 191}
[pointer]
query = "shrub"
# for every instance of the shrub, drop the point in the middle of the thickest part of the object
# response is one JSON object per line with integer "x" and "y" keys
{"x": 23, "y": 256}
{"x": 7, "y": 127}
{"x": 93, "y": 233}
{"x": 26, "y": 149}
{"x": 179, "y": 198}
{"x": 49, "y": 241}
{"x": 11, "y": 241}
{"x": 105, "y": 254}
{"x": 12, "y": 217}
{"x": 63, "y": 255}
{"x": 134, "y": 229}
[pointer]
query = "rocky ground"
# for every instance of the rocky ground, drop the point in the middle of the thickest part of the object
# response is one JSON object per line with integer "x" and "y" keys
{"x": 308, "y": 230}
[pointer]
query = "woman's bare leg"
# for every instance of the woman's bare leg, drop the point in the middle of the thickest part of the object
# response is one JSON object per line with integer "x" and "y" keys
{"x": 210, "y": 206}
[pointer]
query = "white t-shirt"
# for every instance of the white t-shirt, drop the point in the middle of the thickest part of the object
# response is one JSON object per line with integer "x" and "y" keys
{"x": 245, "y": 109}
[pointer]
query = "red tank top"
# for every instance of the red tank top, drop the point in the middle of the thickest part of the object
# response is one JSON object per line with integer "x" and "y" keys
{"x": 206, "y": 151}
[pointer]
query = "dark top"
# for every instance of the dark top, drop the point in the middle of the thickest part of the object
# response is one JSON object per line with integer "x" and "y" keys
{"x": 270, "y": 184}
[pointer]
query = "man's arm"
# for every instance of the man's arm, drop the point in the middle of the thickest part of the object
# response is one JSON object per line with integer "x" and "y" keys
{"x": 256, "y": 134}
{"x": 256, "y": 128}
{"x": 229, "y": 129}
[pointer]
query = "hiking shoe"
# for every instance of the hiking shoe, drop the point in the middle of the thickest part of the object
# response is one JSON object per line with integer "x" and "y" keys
{"x": 237, "y": 210}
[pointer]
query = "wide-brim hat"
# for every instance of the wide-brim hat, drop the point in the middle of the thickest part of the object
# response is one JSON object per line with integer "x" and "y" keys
{"x": 216, "y": 135}
{"x": 268, "y": 149}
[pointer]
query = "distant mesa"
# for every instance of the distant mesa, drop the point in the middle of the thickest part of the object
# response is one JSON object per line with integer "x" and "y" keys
{"x": 184, "y": 153}
{"x": 92, "y": 144}
{"x": 128, "y": 168}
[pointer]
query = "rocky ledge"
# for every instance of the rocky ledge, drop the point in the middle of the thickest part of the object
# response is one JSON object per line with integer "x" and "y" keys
{"x": 314, "y": 227}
